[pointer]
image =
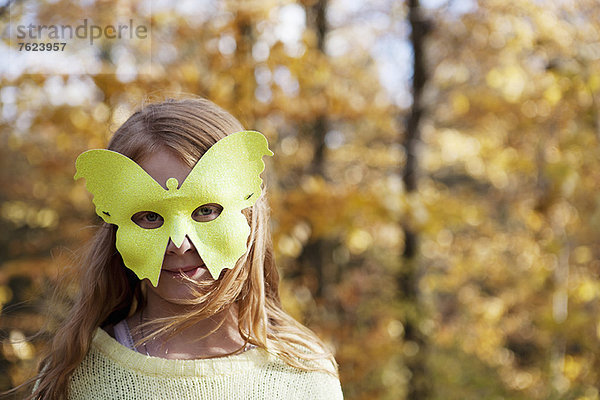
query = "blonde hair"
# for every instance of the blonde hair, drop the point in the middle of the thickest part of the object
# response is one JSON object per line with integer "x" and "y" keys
{"x": 109, "y": 292}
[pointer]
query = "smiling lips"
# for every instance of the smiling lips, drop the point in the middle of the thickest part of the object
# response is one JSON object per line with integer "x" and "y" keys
{"x": 189, "y": 270}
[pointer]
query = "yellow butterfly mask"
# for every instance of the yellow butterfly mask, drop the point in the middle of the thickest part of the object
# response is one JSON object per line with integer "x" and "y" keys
{"x": 228, "y": 174}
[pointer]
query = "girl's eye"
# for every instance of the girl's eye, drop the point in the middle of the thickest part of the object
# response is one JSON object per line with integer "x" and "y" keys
{"x": 152, "y": 217}
{"x": 207, "y": 212}
{"x": 148, "y": 219}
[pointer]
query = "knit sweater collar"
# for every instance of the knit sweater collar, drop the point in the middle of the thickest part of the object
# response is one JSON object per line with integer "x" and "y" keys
{"x": 148, "y": 365}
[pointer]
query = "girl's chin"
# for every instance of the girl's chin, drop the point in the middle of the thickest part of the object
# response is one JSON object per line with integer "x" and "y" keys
{"x": 173, "y": 287}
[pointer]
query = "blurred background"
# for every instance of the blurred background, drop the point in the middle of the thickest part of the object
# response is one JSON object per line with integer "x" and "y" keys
{"x": 434, "y": 190}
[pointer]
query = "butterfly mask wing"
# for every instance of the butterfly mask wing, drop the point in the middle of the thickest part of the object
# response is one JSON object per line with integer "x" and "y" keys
{"x": 228, "y": 174}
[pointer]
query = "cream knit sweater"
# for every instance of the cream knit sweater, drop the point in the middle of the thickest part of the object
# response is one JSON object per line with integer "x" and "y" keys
{"x": 111, "y": 371}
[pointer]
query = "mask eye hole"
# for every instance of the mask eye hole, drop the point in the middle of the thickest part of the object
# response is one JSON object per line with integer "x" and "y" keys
{"x": 207, "y": 212}
{"x": 148, "y": 219}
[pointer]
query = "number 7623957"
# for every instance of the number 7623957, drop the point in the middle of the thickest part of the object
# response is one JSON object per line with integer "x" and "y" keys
{"x": 42, "y": 46}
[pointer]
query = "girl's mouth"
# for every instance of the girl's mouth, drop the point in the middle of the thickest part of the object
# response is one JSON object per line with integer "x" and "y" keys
{"x": 189, "y": 270}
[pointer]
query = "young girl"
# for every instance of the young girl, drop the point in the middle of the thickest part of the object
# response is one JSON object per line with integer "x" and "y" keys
{"x": 179, "y": 289}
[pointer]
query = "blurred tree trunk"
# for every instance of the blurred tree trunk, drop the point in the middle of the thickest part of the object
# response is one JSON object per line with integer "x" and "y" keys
{"x": 315, "y": 253}
{"x": 245, "y": 39}
{"x": 317, "y": 20}
{"x": 410, "y": 273}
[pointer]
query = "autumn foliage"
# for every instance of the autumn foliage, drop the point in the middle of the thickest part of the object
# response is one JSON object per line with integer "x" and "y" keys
{"x": 506, "y": 207}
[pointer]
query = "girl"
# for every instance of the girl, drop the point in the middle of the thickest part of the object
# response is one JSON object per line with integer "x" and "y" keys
{"x": 201, "y": 317}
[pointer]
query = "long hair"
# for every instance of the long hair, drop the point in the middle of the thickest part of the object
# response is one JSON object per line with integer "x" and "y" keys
{"x": 109, "y": 292}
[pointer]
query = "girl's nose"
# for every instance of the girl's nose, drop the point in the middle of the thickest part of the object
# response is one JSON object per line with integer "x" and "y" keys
{"x": 186, "y": 245}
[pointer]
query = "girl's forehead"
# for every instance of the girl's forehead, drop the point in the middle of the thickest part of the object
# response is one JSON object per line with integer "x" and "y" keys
{"x": 162, "y": 165}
